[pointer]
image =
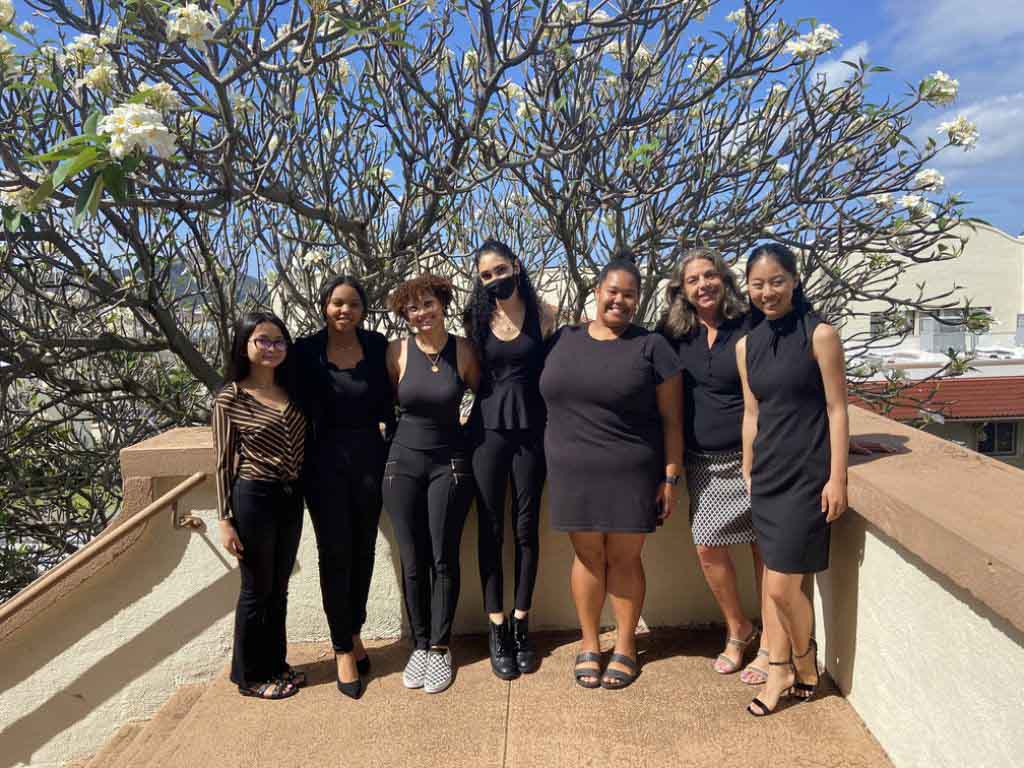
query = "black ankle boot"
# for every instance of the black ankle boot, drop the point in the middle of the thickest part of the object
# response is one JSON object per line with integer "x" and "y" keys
{"x": 502, "y": 660}
{"x": 526, "y": 656}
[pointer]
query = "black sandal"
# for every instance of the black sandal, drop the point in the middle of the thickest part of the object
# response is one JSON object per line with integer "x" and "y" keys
{"x": 282, "y": 689}
{"x": 582, "y": 658}
{"x": 806, "y": 691}
{"x": 625, "y": 679}
{"x": 762, "y": 709}
{"x": 294, "y": 676}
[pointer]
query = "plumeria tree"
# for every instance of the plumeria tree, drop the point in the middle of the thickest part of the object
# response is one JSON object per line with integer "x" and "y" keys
{"x": 167, "y": 164}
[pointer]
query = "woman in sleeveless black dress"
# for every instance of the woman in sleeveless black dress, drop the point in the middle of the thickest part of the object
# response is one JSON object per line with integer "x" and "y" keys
{"x": 346, "y": 394}
{"x": 795, "y": 441}
{"x": 428, "y": 482}
{"x": 614, "y": 448}
{"x": 507, "y": 325}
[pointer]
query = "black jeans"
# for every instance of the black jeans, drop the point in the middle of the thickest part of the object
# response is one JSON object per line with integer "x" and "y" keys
{"x": 342, "y": 483}
{"x": 268, "y": 518}
{"x": 500, "y": 456}
{"x": 427, "y": 494}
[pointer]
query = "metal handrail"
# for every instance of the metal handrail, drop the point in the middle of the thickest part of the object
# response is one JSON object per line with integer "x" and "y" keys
{"x": 97, "y": 546}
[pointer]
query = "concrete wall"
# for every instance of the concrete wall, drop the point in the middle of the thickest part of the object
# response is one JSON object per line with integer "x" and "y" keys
{"x": 966, "y": 433}
{"x": 934, "y": 674}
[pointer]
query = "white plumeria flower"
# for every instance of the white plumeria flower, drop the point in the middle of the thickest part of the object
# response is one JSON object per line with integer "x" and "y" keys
{"x": 6, "y": 53}
{"x": 314, "y": 257}
{"x": 939, "y": 89}
{"x": 929, "y": 179}
{"x": 917, "y": 206}
{"x": 191, "y": 23}
{"x": 344, "y": 70}
{"x": 273, "y": 144}
{"x": 380, "y": 174}
{"x": 821, "y": 39}
{"x": 136, "y": 127}
{"x": 27, "y": 28}
{"x": 108, "y": 35}
{"x": 84, "y": 51}
{"x": 17, "y": 197}
{"x": 780, "y": 171}
{"x": 961, "y": 133}
{"x": 738, "y": 17}
{"x": 700, "y": 9}
{"x": 242, "y": 104}
{"x": 708, "y": 69}
{"x": 599, "y": 17}
{"x": 883, "y": 200}
{"x": 470, "y": 59}
{"x": 6, "y": 13}
{"x": 160, "y": 96}
{"x": 99, "y": 78}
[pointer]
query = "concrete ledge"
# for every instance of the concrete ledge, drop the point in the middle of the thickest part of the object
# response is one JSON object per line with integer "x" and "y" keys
{"x": 958, "y": 511}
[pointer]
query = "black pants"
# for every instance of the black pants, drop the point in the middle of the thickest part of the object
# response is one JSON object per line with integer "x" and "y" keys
{"x": 342, "y": 481}
{"x": 501, "y": 456}
{"x": 268, "y": 518}
{"x": 427, "y": 494}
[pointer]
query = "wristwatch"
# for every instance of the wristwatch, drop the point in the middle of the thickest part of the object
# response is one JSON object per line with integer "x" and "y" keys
{"x": 672, "y": 479}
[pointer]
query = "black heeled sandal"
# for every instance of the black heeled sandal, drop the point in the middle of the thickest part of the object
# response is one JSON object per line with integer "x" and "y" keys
{"x": 806, "y": 691}
{"x": 763, "y": 710}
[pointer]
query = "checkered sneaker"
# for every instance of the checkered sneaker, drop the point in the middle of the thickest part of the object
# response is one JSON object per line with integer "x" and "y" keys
{"x": 415, "y": 669}
{"x": 439, "y": 671}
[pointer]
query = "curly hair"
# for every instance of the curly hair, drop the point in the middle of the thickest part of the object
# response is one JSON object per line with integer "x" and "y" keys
{"x": 415, "y": 289}
{"x": 476, "y": 317}
{"x": 679, "y": 319}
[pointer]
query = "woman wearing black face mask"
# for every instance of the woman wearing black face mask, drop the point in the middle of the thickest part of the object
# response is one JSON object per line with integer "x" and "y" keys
{"x": 508, "y": 326}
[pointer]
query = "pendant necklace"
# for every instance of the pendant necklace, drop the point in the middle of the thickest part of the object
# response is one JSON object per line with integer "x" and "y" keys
{"x": 434, "y": 361}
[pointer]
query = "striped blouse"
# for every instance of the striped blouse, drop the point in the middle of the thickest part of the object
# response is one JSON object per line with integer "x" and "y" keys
{"x": 254, "y": 441}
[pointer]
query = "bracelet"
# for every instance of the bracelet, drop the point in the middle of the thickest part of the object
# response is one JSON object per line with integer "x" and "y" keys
{"x": 671, "y": 479}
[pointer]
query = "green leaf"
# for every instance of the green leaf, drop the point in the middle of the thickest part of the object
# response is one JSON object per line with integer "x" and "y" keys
{"x": 880, "y": 68}
{"x": 87, "y": 158}
{"x": 43, "y": 191}
{"x": 57, "y": 154}
{"x": 94, "y": 198}
{"x": 12, "y": 222}
{"x": 89, "y": 129}
{"x": 113, "y": 176}
{"x": 227, "y": 5}
{"x": 82, "y": 201}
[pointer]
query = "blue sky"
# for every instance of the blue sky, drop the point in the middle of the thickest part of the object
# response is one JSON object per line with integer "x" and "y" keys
{"x": 981, "y": 44}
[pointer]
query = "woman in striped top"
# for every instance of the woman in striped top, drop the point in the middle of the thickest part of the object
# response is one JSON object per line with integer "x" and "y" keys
{"x": 258, "y": 436}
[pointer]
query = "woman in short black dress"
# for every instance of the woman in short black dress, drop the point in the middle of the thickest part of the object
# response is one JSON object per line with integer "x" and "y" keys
{"x": 347, "y": 396}
{"x": 795, "y": 441}
{"x": 508, "y": 327}
{"x": 614, "y": 450}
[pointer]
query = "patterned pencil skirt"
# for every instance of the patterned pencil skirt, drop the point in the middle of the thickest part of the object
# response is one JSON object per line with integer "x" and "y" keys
{"x": 719, "y": 504}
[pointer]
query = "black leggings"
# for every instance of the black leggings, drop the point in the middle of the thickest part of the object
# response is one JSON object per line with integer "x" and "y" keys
{"x": 427, "y": 494}
{"x": 502, "y": 455}
{"x": 342, "y": 485}
{"x": 268, "y": 518}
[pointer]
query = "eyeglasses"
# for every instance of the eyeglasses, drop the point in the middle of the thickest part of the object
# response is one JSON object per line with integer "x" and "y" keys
{"x": 266, "y": 345}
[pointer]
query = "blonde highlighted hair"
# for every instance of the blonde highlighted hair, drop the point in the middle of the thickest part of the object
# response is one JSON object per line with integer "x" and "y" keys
{"x": 679, "y": 319}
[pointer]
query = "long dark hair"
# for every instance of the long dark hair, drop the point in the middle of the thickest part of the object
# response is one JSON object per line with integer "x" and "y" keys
{"x": 238, "y": 364}
{"x": 786, "y": 259}
{"x": 476, "y": 317}
{"x": 680, "y": 317}
{"x": 327, "y": 290}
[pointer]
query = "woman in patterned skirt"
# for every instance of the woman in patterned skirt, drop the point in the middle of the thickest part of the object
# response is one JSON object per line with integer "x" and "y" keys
{"x": 704, "y": 318}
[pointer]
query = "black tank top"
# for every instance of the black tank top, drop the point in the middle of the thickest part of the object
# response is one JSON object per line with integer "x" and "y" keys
{"x": 429, "y": 401}
{"x": 509, "y": 389}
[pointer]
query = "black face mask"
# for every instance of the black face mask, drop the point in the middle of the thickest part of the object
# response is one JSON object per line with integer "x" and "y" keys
{"x": 502, "y": 288}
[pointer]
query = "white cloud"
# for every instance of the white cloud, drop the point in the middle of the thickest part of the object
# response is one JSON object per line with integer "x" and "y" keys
{"x": 835, "y": 71}
{"x": 945, "y": 29}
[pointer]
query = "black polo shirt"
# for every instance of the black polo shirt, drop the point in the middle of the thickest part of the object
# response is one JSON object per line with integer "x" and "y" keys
{"x": 712, "y": 392}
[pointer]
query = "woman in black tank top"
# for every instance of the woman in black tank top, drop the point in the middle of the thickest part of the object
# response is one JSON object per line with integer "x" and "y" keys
{"x": 508, "y": 327}
{"x": 428, "y": 483}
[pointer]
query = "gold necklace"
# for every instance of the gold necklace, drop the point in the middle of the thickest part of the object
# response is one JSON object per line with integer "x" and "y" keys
{"x": 434, "y": 367}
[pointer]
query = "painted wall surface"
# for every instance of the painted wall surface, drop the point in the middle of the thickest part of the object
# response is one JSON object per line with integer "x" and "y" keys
{"x": 160, "y": 616}
{"x": 934, "y": 674}
{"x": 966, "y": 434}
{"x": 989, "y": 272}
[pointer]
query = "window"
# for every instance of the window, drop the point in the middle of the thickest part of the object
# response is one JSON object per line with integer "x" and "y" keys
{"x": 893, "y": 323}
{"x": 998, "y": 438}
{"x": 946, "y": 319}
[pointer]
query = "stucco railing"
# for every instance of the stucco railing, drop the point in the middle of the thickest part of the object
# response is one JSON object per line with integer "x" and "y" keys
{"x": 93, "y": 550}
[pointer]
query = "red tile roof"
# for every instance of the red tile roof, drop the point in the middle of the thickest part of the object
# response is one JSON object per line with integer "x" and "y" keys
{"x": 963, "y": 399}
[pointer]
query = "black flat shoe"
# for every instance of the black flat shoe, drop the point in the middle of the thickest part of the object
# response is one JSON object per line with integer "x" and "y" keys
{"x": 503, "y": 662}
{"x": 580, "y": 673}
{"x": 616, "y": 679}
{"x": 363, "y": 665}
{"x": 526, "y": 655}
{"x": 353, "y": 690}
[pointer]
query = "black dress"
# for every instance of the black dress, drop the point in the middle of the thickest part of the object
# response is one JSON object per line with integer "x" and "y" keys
{"x": 604, "y": 442}
{"x": 792, "y": 455}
